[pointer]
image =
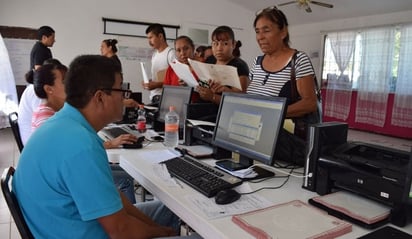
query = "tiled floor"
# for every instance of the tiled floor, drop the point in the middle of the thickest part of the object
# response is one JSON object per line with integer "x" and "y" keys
{"x": 9, "y": 154}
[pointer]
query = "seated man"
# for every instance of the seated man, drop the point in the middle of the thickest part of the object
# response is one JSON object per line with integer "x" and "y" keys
{"x": 63, "y": 182}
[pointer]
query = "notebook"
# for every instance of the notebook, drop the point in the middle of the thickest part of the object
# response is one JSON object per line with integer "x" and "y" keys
{"x": 291, "y": 220}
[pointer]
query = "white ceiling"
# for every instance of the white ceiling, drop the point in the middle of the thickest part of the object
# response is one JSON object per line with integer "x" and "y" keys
{"x": 342, "y": 9}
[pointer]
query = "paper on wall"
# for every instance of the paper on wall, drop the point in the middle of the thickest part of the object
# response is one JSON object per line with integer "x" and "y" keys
{"x": 223, "y": 74}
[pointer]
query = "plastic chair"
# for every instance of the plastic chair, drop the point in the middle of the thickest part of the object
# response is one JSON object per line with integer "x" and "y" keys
{"x": 13, "y": 117}
{"x": 13, "y": 204}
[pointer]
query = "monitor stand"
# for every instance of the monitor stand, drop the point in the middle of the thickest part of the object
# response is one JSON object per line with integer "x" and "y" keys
{"x": 245, "y": 162}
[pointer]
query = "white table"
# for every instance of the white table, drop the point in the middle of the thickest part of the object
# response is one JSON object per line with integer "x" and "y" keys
{"x": 134, "y": 162}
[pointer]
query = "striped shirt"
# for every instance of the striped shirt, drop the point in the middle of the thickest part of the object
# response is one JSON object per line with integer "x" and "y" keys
{"x": 263, "y": 82}
{"x": 42, "y": 113}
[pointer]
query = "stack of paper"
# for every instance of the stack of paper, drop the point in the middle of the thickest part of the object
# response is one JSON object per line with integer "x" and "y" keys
{"x": 292, "y": 220}
{"x": 242, "y": 173}
{"x": 354, "y": 206}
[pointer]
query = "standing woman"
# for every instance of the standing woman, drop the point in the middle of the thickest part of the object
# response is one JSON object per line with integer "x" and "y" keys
{"x": 271, "y": 75}
{"x": 223, "y": 44}
{"x": 108, "y": 49}
{"x": 184, "y": 50}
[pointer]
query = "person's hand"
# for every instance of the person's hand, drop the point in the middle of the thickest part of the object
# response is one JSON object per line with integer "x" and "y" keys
{"x": 130, "y": 103}
{"x": 166, "y": 232}
{"x": 205, "y": 93}
{"x": 149, "y": 86}
{"x": 182, "y": 82}
{"x": 119, "y": 140}
{"x": 216, "y": 87}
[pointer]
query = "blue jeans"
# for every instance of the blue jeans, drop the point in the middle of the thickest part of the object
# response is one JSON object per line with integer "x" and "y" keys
{"x": 162, "y": 215}
{"x": 124, "y": 182}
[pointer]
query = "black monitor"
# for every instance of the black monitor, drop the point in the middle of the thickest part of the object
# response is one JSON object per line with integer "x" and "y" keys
{"x": 178, "y": 96}
{"x": 249, "y": 125}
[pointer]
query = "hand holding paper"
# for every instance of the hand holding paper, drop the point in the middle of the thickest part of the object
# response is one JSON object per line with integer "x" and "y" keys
{"x": 184, "y": 73}
{"x": 223, "y": 74}
{"x": 144, "y": 74}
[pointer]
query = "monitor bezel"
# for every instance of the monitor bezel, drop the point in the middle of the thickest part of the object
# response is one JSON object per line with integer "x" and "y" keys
{"x": 246, "y": 152}
{"x": 162, "y": 102}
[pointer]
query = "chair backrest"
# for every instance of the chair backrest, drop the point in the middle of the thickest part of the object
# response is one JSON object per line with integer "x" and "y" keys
{"x": 13, "y": 117}
{"x": 13, "y": 204}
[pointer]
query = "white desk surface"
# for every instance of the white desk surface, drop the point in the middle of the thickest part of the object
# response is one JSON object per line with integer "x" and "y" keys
{"x": 174, "y": 197}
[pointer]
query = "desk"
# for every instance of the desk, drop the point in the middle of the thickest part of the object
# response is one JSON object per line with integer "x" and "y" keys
{"x": 222, "y": 228}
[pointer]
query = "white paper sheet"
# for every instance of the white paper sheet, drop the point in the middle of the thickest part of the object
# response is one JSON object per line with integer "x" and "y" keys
{"x": 223, "y": 74}
{"x": 184, "y": 73}
{"x": 144, "y": 73}
{"x": 246, "y": 203}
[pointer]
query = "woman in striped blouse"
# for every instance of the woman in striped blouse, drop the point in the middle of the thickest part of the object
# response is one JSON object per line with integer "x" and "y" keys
{"x": 270, "y": 73}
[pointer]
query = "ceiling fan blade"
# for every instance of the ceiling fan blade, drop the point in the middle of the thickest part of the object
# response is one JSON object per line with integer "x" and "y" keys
{"x": 286, "y": 3}
{"x": 308, "y": 9}
{"x": 322, "y": 4}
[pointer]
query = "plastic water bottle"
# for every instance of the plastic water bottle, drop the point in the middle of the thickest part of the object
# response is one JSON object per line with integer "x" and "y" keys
{"x": 141, "y": 119}
{"x": 171, "y": 128}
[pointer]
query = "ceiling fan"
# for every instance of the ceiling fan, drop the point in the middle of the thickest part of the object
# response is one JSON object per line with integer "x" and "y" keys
{"x": 305, "y": 4}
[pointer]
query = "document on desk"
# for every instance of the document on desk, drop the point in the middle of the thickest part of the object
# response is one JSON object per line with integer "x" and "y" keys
{"x": 184, "y": 73}
{"x": 294, "y": 219}
{"x": 223, "y": 74}
{"x": 246, "y": 203}
{"x": 159, "y": 155}
{"x": 200, "y": 122}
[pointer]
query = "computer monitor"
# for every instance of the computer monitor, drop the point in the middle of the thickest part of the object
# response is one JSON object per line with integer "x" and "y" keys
{"x": 178, "y": 96}
{"x": 249, "y": 125}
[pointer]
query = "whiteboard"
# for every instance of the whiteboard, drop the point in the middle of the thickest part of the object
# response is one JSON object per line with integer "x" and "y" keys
{"x": 19, "y": 54}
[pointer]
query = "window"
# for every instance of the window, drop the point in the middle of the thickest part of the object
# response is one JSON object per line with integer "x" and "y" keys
{"x": 343, "y": 52}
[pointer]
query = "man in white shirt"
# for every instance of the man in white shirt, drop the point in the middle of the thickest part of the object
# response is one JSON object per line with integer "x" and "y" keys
{"x": 161, "y": 59}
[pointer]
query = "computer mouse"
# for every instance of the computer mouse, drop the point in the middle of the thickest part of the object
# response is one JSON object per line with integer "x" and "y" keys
{"x": 136, "y": 145}
{"x": 226, "y": 196}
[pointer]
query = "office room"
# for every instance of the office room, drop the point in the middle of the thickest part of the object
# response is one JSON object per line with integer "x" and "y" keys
{"x": 79, "y": 29}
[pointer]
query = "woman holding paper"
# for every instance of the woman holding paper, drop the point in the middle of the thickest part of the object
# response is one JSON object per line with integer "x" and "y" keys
{"x": 223, "y": 44}
{"x": 184, "y": 49}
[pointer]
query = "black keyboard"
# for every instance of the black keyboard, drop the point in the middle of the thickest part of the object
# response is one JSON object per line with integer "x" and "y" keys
{"x": 200, "y": 176}
{"x": 115, "y": 132}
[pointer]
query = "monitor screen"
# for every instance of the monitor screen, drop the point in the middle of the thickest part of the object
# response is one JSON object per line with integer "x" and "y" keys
{"x": 249, "y": 125}
{"x": 177, "y": 96}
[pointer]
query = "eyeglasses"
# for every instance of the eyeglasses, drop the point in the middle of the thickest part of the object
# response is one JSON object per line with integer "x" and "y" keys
{"x": 126, "y": 93}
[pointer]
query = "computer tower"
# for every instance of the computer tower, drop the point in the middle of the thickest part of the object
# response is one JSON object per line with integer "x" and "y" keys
{"x": 321, "y": 137}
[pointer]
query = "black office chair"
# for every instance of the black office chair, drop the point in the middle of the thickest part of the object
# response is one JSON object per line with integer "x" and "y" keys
{"x": 13, "y": 204}
{"x": 13, "y": 117}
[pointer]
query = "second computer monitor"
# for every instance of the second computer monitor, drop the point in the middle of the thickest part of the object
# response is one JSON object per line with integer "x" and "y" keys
{"x": 249, "y": 125}
{"x": 178, "y": 96}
